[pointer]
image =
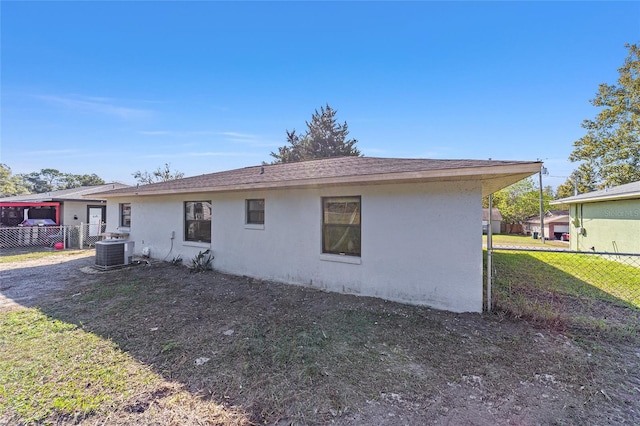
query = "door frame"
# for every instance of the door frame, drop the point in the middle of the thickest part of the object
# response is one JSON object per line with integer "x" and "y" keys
{"x": 103, "y": 214}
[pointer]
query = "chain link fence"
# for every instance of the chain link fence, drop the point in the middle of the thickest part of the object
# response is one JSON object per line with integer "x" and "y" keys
{"x": 31, "y": 238}
{"x": 590, "y": 290}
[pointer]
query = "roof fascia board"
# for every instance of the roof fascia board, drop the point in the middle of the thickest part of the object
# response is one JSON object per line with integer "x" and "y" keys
{"x": 82, "y": 200}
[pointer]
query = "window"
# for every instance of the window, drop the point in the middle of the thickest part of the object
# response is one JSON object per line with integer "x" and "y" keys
{"x": 125, "y": 215}
{"x": 341, "y": 225}
{"x": 255, "y": 211}
{"x": 197, "y": 221}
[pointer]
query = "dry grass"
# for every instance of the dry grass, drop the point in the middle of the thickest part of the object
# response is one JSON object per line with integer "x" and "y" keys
{"x": 21, "y": 255}
{"x": 281, "y": 355}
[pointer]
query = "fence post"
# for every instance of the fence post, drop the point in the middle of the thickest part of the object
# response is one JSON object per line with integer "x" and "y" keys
{"x": 489, "y": 252}
{"x": 81, "y": 236}
{"x": 64, "y": 237}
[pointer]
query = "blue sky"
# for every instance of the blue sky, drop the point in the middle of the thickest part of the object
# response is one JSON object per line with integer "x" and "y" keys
{"x": 114, "y": 87}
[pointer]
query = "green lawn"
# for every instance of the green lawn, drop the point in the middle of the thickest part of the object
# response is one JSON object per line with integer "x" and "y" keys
{"x": 523, "y": 241}
{"x": 51, "y": 369}
{"x": 571, "y": 288}
{"x": 49, "y": 366}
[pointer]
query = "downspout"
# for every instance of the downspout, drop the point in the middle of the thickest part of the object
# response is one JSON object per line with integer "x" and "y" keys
{"x": 578, "y": 242}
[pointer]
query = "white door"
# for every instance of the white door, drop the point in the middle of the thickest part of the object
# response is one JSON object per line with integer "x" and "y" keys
{"x": 95, "y": 220}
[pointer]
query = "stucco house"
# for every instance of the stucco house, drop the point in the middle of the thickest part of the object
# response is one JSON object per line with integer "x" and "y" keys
{"x": 496, "y": 220}
{"x": 606, "y": 221}
{"x": 556, "y": 224}
{"x": 400, "y": 229}
{"x": 64, "y": 207}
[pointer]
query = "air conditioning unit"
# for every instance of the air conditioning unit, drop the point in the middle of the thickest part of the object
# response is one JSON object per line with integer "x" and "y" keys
{"x": 113, "y": 253}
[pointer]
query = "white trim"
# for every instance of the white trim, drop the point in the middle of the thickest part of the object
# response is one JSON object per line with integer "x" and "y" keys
{"x": 196, "y": 244}
{"x": 254, "y": 226}
{"x": 354, "y": 260}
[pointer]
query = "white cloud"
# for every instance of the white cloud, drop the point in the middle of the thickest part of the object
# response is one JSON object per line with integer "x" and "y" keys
{"x": 222, "y": 154}
{"x": 176, "y": 133}
{"x": 231, "y": 137}
{"x": 154, "y": 132}
{"x": 51, "y": 152}
{"x": 96, "y": 104}
{"x": 239, "y": 135}
{"x": 203, "y": 154}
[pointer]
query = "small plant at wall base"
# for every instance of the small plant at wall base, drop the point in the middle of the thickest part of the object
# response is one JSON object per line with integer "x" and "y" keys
{"x": 202, "y": 262}
{"x": 177, "y": 260}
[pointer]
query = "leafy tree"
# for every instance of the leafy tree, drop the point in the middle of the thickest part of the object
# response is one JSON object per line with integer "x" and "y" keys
{"x": 11, "y": 184}
{"x": 610, "y": 150}
{"x": 583, "y": 177}
{"x": 75, "y": 181}
{"x": 47, "y": 180}
{"x": 158, "y": 175}
{"x": 520, "y": 201}
{"x": 325, "y": 138}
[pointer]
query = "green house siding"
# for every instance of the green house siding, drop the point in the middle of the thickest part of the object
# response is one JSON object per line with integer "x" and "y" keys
{"x": 607, "y": 226}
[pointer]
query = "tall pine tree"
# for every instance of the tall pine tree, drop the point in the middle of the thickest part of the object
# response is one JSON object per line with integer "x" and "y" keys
{"x": 610, "y": 151}
{"x": 325, "y": 138}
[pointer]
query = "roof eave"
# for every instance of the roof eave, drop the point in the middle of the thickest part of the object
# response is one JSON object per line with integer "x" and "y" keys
{"x": 511, "y": 172}
{"x": 596, "y": 199}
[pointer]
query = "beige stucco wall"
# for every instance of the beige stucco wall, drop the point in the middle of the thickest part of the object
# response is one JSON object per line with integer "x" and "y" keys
{"x": 421, "y": 243}
{"x": 76, "y": 208}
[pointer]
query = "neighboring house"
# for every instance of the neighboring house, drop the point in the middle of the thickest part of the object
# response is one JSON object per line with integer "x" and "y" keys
{"x": 64, "y": 207}
{"x": 607, "y": 220}
{"x": 496, "y": 221}
{"x": 399, "y": 229}
{"x": 556, "y": 223}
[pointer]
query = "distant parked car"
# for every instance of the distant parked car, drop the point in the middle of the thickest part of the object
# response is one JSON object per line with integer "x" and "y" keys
{"x": 565, "y": 236}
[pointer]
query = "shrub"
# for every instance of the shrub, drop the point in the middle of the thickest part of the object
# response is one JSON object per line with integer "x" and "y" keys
{"x": 202, "y": 262}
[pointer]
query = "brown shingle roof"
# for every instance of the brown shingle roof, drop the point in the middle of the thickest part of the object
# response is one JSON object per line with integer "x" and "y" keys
{"x": 325, "y": 171}
{"x": 495, "y": 214}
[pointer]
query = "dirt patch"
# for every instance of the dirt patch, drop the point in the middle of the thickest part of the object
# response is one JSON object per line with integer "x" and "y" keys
{"x": 293, "y": 355}
{"x": 30, "y": 282}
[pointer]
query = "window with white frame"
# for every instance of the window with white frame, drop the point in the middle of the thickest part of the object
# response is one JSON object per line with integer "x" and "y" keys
{"x": 255, "y": 211}
{"x": 197, "y": 221}
{"x": 125, "y": 215}
{"x": 341, "y": 225}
